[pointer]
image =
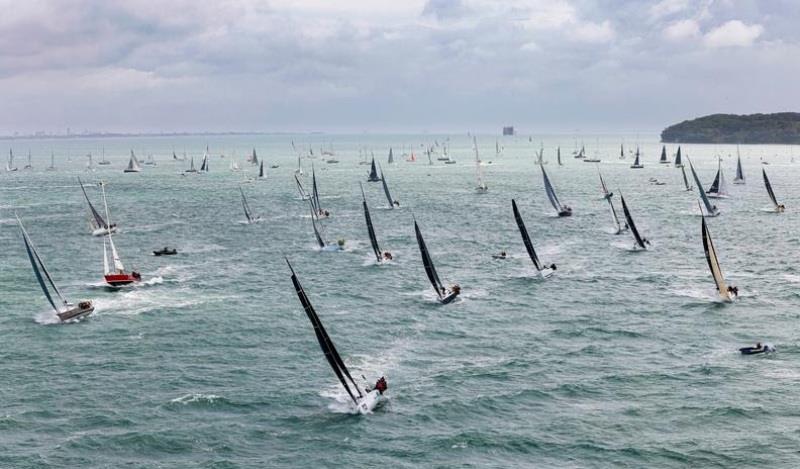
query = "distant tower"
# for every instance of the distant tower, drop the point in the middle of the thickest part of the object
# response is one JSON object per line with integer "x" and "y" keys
{"x": 508, "y": 130}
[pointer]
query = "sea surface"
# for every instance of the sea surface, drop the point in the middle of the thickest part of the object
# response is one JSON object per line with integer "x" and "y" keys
{"x": 620, "y": 359}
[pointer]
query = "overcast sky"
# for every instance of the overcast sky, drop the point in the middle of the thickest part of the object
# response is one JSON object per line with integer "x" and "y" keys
{"x": 392, "y": 65}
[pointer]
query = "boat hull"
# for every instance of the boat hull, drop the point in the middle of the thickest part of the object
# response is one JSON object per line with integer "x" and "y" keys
{"x": 118, "y": 280}
{"x": 369, "y": 402}
{"x": 637, "y": 166}
{"x": 76, "y": 312}
{"x": 104, "y": 231}
{"x": 449, "y": 298}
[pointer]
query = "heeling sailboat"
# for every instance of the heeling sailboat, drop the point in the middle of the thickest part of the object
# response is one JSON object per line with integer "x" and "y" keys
{"x": 640, "y": 243}
{"x": 562, "y": 210}
{"x": 663, "y": 159}
{"x": 97, "y": 223}
{"x": 711, "y": 210}
{"x": 678, "y": 162}
{"x": 445, "y": 296}
{"x": 544, "y": 271}
{"x": 262, "y": 174}
{"x": 685, "y": 180}
{"x": 191, "y": 166}
{"x": 718, "y": 189}
{"x": 392, "y": 202}
{"x": 373, "y": 172}
{"x": 739, "y": 179}
{"x": 619, "y": 228}
{"x": 379, "y": 255}
{"x": 364, "y": 402}
{"x": 391, "y": 156}
{"x": 250, "y": 217}
{"x": 779, "y": 208}
{"x": 725, "y": 292}
{"x": 133, "y": 165}
{"x": 10, "y": 163}
{"x": 558, "y": 156}
{"x": 481, "y": 188}
{"x": 606, "y": 194}
{"x": 637, "y": 163}
{"x": 303, "y": 193}
{"x": 339, "y": 246}
{"x": 117, "y": 276}
{"x": 315, "y": 203}
{"x": 63, "y": 309}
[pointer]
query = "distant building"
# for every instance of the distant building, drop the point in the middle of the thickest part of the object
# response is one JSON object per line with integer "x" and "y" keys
{"x": 509, "y": 130}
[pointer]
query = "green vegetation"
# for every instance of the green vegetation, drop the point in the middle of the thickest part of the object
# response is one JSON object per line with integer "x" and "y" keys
{"x": 783, "y": 127}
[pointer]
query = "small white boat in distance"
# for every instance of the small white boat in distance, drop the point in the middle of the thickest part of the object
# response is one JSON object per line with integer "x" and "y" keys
{"x": 133, "y": 165}
{"x": 64, "y": 309}
{"x": 365, "y": 402}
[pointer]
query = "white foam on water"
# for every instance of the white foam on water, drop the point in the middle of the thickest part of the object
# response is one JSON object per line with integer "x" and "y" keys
{"x": 195, "y": 397}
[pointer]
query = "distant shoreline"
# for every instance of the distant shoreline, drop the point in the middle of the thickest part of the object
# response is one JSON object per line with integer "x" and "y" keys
{"x": 779, "y": 128}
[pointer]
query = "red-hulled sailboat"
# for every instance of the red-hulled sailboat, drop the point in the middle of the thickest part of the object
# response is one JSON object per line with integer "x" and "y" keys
{"x": 117, "y": 276}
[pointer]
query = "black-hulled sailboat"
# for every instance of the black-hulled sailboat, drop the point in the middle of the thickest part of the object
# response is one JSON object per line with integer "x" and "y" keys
{"x": 97, "y": 223}
{"x": 562, "y": 210}
{"x": 718, "y": 189}
{"x": 711, "y": 209}
{"x": 739, "y": 179}
{"x": 640, "y": 243}
{"x": 380, "y": 256}
{"x": 63, "y": 308}
{"x": 373, "y": 173}
{"x": 250, "y": 217}
{"x": 725, "y": 292}
{"x": 778, "y": 208}
{"x": 544, "y": 271}
{"x": 392, "y": 202}
{"x": 445, "y": 296}
{"x": 637, "y": 164}
{"x": 365, "y": 402}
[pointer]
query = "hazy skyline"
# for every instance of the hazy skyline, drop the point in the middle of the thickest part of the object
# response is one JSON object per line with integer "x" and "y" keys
{"x": 437, "y": 65}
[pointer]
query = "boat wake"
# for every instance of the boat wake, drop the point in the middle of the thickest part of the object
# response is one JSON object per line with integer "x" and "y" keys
{"x": 49, "y": 317}
{"x": 196, "y": 398}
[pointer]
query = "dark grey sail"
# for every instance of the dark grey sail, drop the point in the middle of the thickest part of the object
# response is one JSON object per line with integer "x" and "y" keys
{"x": 562, "y": 210}
{"x": 325, "y": 342}
{"x": 739, "y": 179}
{"x": 317, "y": 234}
{"x": 639, "y": 240}
{"x": 427, "y": 262}
{"x": 389, "y": 198}
{"x": 710, "y": 209}
{"x": 370, "y": 229}
{"x": 303, "y": 194}
{"x": 261, "y": 173}
{"x": 558, "y": 156}
{"x": 526, "y": 239}
{"x": 663, "y": 154}
{"x": 769, "y": 188}
{"x": 714, "y": 189}
{"x": 678, "y": 162}
{"x": 685, "y": 181}
{"x": 373, "y": 173}
{"x": 391, "y": 156}
{"x": 246, "y": 207}
{"x": 315, "y": 193}
{"x": 98, "y": 219}
{"x": 39, "y": 269}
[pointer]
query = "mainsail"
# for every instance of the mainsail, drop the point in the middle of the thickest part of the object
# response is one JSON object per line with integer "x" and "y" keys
{"x": 482, "y": 187}
{"x": 769, "y": 189}
{"x": 606, "y": 194}
{"x": 391, "y": 156}
{"x": 685, "y": 181}
{"x": 619, "y": 228}
{"x": 386, "y": 190}
{"x": 551, "y": 194}
{"x": 718, "y": 187}
{"x": 430, "y": 270}
{"x": 261, "y": 173}
{"x": 636, "y": 164}
{"x": 663, "y": 154}
{"x": 303, "y": 194}
{"x": 39, "y": 269}
{"x": 325, "y": 342}
{"x": 639, "y": 240}
{"x": 713, "y": 262}
{"x": 254, "y": 157}
{"x": 558, "y": 156}
{"x": 317, "y": 234}
{"x": 739, "y": 179}
{"x": 99, "y": 221}
{"x": 370, "y": 229}
{"x": 711, "y": 210}
{"x": 133, "y": 164}
{"x": 246, "y": 207}
{"x": 526, "y": 239}
{"x": 373, "y": 172}
{"x": 678, "y": 162}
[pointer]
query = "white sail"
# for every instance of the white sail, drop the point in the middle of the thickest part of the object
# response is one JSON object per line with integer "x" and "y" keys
{"x": 133, "y": 164}
{"x": 713, "y": 263}
{"x": 482, "y": 187}
{"x": 105, "y": 259}
{"x": 115, "y": 256}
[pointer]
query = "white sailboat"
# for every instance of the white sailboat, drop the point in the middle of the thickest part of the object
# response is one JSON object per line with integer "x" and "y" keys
{"x": 481, "y": 188}
{"x": 133, "y": 165}
{"x": 63, "y": 308}
{"x": 28, "y": 166}
{"x": 10, "y": 163}
{"x": 191, "y": 166}
{"x": 103, "y": 161}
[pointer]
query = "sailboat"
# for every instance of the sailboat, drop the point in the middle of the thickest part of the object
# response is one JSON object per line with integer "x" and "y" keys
{"x": 90, "y": 163}
{"x": 103, "y": 161}
{"x": 582, "y": 153}
{"x": 191, "y": 166}
{"x": 323, "y": 246}
{"x": 28, "y": 166}
{"x": 379, "y": 255}
{"x": 10, "y": 163}
{"x": 739, "y": 179}
{"x": 711, "y": 210}
{"x": 262, "y": 174}
{"x": 392, "y": 202}
{"x": 63, "y": 308}
{"x": 481, "y": 188}
{"x": 249, "y": 216}
{"x": 678, "y": 162}
{"x": 303, "y": 193}
{"x": 373, "y": 173}
{"x": 97, "y": 223}
{"x": 253, "y": 158}
{"x": 562, "y": 210}
{"x": 133, "y": 165}
{"x": 685, "y": 181}
{"x": 299, "y": 170}
{"x": 364, "y": 402}
{"x": 445, "y": 296}
{"x": 725, "y": 292}
{"x": 150, "y": 161}
{"x": 204, "y": 166}
{"x": 52, "y": 166}
{"x": 640, "y": 243}
{"x": 558, "y": 156}
{"x": 498, "y": 150}
{"x": 391, "y": 156}
{"x": 544, "y": 271}
{"x": 315, "y": 203}
{"x": 428, "y": 151}
{"x": 118, "y": 276}
{"x": 718, "y": 189}
{"x": 779, "y": 208}
{"x": 636, "y": 163}
{"x": 621, "y": 151}
{"x": 234, "y": 165}
{"x": 663, "y": 159}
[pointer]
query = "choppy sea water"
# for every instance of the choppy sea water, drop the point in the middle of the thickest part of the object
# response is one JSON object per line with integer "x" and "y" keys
{"x": 619, "y": 360}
